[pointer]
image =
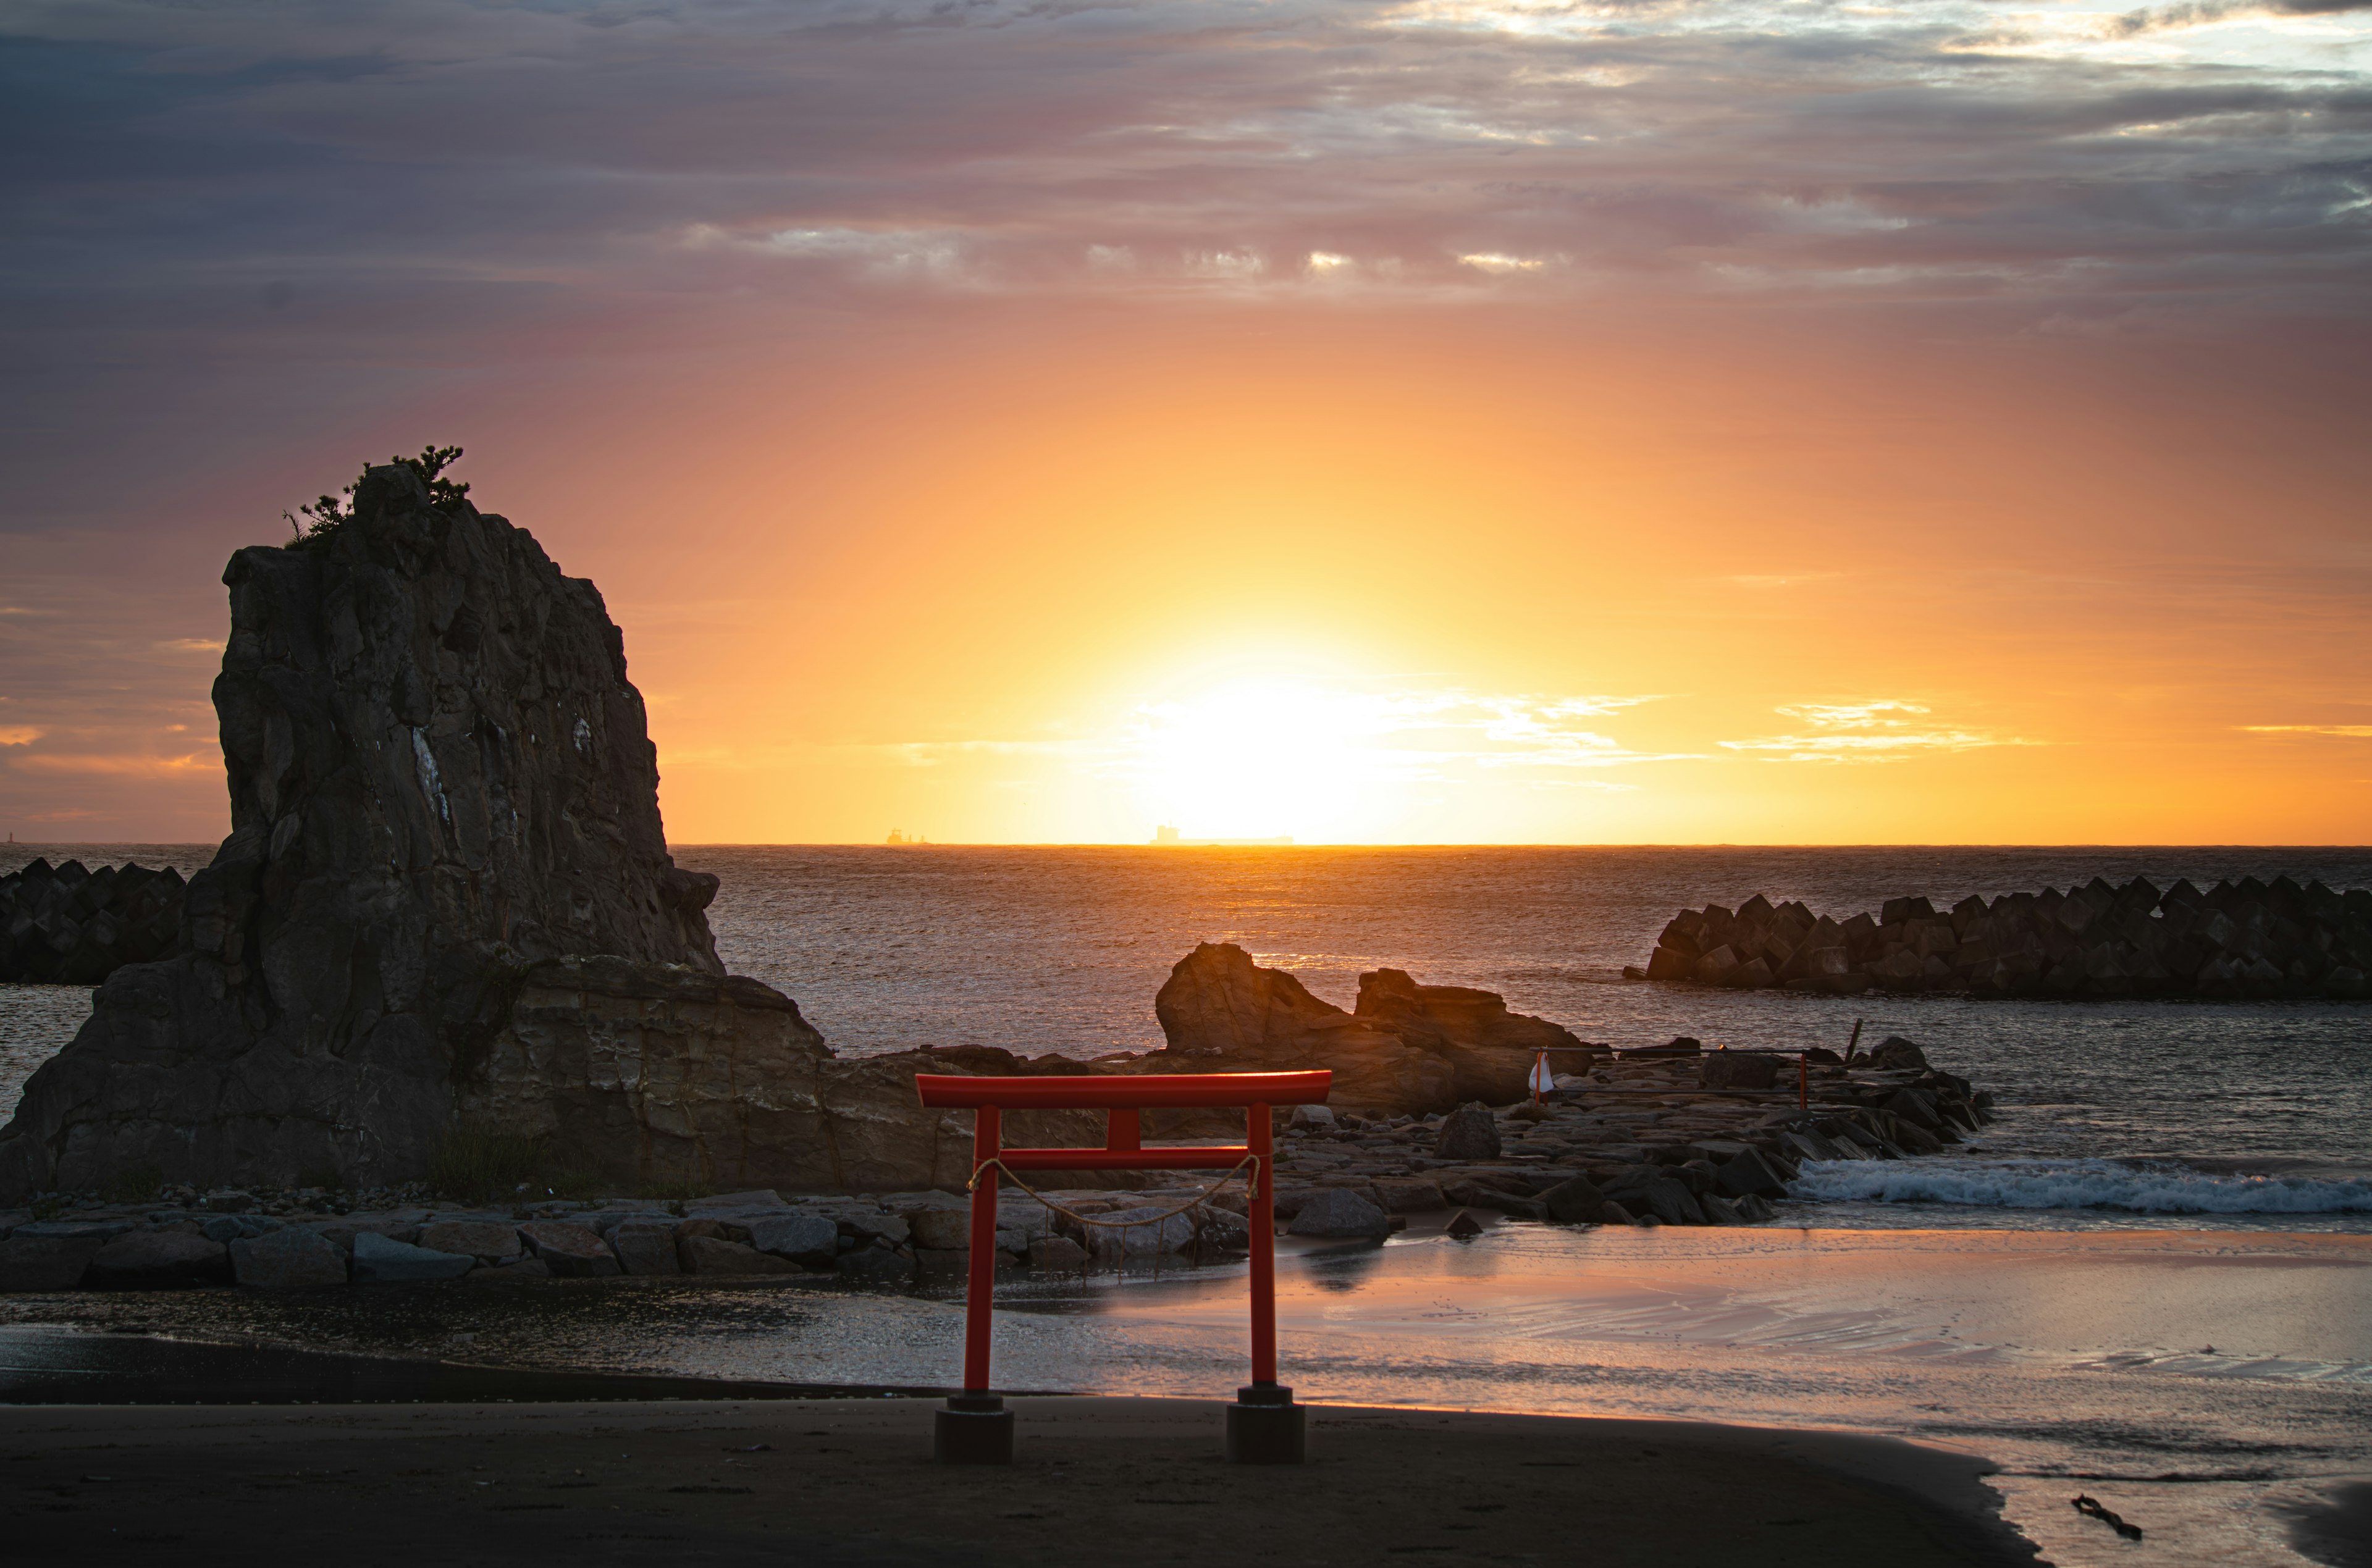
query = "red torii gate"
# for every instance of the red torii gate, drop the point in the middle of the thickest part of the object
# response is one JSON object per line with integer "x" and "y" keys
{"x": 1263, "y": 1425}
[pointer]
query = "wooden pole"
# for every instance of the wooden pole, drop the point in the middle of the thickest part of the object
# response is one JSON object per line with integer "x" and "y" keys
{"x": 980, "y": 1286}
{"x": 1259, "y": 1139}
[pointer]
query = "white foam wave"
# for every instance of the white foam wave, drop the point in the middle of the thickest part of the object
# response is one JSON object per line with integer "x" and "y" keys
{"x": 2078, "y": 1184}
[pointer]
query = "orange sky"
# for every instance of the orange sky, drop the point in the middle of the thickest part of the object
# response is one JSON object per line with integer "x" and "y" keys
{"x": 1625, "y": 557}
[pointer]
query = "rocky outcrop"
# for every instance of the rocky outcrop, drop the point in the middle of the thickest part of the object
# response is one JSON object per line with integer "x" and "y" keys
{"x": 440, "y": 779}
{"x": 1408, "y": 1048}
{"x": 68, "y": 925}
{"x": 2250, "y": 938}
{"x": 1490, "y": 1050}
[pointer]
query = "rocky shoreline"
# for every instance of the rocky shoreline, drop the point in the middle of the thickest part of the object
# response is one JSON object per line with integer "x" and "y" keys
{"x": 2246, "y": 939}
{"x": 1672, "y": 1135}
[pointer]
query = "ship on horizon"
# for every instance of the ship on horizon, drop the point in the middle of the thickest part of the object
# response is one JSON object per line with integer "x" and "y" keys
{"x": 1167, "y": 837}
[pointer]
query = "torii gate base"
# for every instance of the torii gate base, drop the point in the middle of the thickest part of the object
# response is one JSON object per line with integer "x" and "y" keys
{"x": 1264, "y": 1425}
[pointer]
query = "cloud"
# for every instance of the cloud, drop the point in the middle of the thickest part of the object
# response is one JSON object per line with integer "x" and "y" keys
{"x": 2348, "y": 731}
{"x": 1880, "y": 731}
{"x": 19, "y": 735}
{"x": 117, "y": 765}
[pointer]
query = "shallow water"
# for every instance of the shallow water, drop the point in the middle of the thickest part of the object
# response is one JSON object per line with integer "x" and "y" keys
{"x": 2203, "y": 1386}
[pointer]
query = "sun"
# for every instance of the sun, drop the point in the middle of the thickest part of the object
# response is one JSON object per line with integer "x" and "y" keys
{"x": 1264, "y": 757}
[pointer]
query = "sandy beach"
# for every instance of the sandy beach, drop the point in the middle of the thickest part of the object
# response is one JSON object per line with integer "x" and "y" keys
{"x": 850, "y": 1482}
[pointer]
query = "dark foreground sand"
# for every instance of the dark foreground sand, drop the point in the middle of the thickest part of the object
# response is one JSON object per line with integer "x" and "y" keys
{"x": 836, "y": 1482}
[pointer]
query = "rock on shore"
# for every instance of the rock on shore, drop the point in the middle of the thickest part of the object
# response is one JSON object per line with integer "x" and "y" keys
{"x": 1406, "y": 1048}
{"x": 2250, "y": 938}
{"x": 446, "y": 897}
{"x": 67, "y": 924}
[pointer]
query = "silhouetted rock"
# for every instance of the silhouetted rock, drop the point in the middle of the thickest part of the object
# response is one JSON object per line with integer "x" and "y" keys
{"x": 439, "y": 776}
{"x": 2250, "y": 939}
{"x": 1221, "y": 1013}
{"x": 1408, "y": 1048}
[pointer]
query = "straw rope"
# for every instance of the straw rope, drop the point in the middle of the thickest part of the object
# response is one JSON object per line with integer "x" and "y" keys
{"x": 1198, "y": 1200}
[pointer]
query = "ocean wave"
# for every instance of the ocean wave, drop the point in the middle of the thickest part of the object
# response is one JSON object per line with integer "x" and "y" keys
{"x": 2079, "y": 1184}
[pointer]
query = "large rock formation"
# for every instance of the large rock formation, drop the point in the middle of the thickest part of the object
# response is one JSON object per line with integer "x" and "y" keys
{"x": 644, "y": 1076}
{"x": 1408, "y": 1047}
{"x": 2250, "y": 938}
{"x": 440, "y": 780}
{"x": 69, "y": 925}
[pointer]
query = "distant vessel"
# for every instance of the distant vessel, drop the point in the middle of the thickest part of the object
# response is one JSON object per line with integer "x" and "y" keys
{"x": 1167, "y": 836}
{"x": 898, "y": 836}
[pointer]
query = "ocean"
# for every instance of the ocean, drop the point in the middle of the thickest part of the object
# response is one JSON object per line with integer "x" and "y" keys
{"x": 2151, "y": 1113}
{"x": 2150, "y": 1281}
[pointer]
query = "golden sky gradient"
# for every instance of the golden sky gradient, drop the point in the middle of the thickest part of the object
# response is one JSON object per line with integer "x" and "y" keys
{"x": 1980, "y": 513}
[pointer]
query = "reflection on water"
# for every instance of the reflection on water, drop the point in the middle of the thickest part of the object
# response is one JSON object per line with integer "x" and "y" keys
{"x": 2198, "y": 1383}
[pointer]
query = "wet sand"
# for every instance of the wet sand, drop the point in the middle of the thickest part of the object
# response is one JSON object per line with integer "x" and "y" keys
{"x": 850, "y": 1482}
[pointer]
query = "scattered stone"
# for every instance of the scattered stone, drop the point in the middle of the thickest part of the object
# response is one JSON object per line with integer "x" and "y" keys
{"x": 570, "y": 1251}
{"x": 381, "y": 1260}
{"x": 287, "y": 1260}
{"x": 1341, "y": 1212}
{"x": 1462, "y": 1226}
{"x": 1612, "y": 1213}
{"x": 1574, "y": 1201}
{"x": 646, "y": 1247}
{"x": 1467, "y": 1133}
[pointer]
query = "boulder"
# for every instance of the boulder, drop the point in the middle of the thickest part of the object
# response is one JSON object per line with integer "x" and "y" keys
{"x": 157, "y": 1260}
{"x": 1576, "y": 1200}
{"x": 1340, "y": 1213}
{"x": 1750, "y": 1173}
{"x": 571, "y": 1251}
{"x": 1057, "y": 1252}
{"x": 646, "y": 1247}
{"x": 802, "y": 1239}
{"x": 379, "y": 1259}
{"x": 489, "y": 1241}
{"x": 40, "y": 1256}
{"x": 1407, "y": 1195}
{"x": 1716, "y": 966}
{"x": 287, "y": 1260}
{"x": 877, "y": 1266}
{"x": 1467, "y": 1133}
{"x": 1895, "y": 1053}
{"x": 1737, "y": 1070}
{"x": 1220, "y": 1012}
{"x": 1142, "y": 1232}
{"x": 946, "y": 1229}
{"x": 1490, "y": 1048}
{"x": 713, "y": 1255}
{"x": 1615, "y": 1214}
